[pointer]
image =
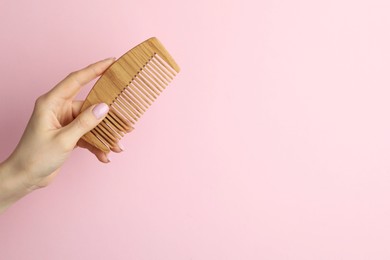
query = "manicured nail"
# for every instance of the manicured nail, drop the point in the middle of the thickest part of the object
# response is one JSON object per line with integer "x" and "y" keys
{"x": 100, "y": 110}
{"x": 121, "y": 146}
{"x": 108, "y": 158}
{"x": 111, "y": 58}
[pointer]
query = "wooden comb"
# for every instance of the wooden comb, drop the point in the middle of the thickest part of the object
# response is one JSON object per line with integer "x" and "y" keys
{"x": 129, "y": 86}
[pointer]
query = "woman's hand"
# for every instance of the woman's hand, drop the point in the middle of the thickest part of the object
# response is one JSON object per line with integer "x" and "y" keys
{"x": 53, "y": 131}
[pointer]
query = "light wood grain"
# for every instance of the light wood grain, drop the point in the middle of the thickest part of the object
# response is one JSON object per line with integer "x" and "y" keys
{"x": 129, "y": 86}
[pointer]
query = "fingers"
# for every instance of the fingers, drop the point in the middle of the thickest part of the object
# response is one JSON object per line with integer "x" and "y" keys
{"x": 69, "y": 87}
{"x": 84, "y": 123}
{"x": 76, "y": 108}
{"x": 100, "y": 155}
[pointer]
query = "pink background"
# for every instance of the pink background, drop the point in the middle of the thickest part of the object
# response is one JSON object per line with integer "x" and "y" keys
{"x": 272, "y": 143}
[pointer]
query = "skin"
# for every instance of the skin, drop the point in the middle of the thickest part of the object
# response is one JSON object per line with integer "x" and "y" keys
{"x": 53, "y": 131}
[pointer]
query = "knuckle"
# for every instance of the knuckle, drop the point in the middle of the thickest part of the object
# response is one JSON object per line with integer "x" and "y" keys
{"x": 94, "y": 70}
{"x": 74, "y": 76}
{"x": 41, "y": 100}
{"x": 71, "y": 74}
{"x": 64, "y": 142}
{"x": 83, "y": 123}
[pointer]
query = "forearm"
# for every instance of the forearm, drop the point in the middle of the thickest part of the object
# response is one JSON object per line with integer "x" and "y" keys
{"x": 13, "y": 185}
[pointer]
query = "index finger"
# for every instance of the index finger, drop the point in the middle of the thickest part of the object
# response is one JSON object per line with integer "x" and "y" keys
{"x": 69, "y": 87}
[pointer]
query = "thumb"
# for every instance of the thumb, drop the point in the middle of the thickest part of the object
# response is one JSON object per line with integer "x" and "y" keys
{"x": 85, "y": 121}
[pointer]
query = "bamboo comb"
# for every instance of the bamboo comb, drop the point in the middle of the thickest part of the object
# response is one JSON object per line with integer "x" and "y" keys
{"x": 129, "y": 86}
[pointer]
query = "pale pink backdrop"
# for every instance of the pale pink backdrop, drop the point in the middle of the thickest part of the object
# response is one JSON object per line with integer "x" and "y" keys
{"x": 272, "y": 143}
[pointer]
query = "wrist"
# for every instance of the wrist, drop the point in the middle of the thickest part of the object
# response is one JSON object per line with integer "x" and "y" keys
{"x": 13, "y": 184}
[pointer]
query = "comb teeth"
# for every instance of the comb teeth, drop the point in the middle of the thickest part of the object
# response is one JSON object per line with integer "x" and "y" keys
{"x": 148, "y": 69}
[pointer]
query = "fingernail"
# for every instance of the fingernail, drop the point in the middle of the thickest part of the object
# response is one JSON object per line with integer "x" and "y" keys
{"x": 108, "y": 158}
{"x": 111, "y": 58}
{"x": 100, "y": 110}
{"x": 121, "y": 146}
